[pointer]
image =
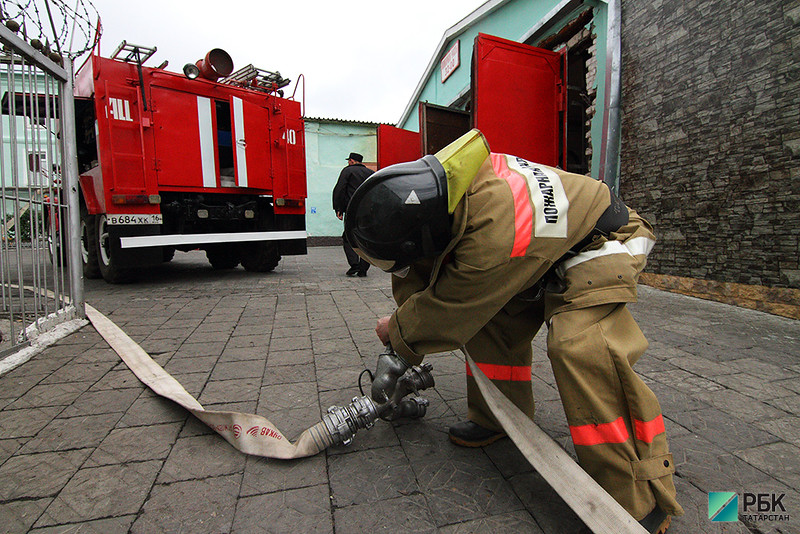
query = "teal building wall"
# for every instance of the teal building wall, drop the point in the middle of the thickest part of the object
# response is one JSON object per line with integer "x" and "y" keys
{"x": 328, "y": 143}
{"x": 23, "y": 138}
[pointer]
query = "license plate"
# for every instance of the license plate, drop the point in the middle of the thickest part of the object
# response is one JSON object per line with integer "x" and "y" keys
{"x": 120, "y": 219}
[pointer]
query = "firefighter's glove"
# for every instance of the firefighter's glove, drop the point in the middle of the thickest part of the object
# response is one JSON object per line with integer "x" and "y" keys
{"x": 389, "y": 369}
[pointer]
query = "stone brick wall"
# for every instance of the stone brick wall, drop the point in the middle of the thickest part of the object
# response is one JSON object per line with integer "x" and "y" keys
{"x": 711, "y": 136}
{"x": 591, "y": 84}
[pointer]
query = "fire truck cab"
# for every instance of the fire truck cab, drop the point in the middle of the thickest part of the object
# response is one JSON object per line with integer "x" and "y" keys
{"x": 208, "y": 158}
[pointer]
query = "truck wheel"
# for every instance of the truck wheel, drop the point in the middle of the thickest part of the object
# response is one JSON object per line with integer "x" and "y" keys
{"x": 54, "y": 246}
{"x": 91, "y": 269}
{"x": 109, "y": 268}
{"x": 222, "y": 256}
{"x": 167, "y": 253}
{"x": 260, "y": 257}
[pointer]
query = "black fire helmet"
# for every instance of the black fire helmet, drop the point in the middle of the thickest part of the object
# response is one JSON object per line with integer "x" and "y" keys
{"x": 399, "y": 214}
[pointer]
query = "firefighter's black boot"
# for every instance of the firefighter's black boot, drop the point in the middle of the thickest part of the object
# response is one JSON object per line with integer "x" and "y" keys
{"x": 656, "y": 522}
{"x": 469, "y": 434}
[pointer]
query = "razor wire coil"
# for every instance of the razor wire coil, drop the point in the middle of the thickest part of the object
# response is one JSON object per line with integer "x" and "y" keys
{"x": 66, "y": 27}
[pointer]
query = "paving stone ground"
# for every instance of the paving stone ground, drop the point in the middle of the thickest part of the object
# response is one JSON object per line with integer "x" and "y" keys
{"x": 85, "y": 447}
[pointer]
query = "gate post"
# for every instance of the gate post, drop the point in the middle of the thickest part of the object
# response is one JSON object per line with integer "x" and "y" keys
{"x": 70, "y": 159}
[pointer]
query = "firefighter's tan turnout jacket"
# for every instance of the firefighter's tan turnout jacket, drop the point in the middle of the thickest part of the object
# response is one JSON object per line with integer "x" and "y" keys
{"x": 515, "y": 220}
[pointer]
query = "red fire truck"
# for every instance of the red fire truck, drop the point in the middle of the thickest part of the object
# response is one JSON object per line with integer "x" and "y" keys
{"x": 206, "y": 159}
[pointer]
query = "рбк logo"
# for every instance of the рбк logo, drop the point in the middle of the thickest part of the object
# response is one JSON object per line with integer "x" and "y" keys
{"x": 724, "y": 506}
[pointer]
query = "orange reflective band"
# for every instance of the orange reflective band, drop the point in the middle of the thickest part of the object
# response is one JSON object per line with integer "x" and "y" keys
{"x": 523, "y": 214}
{"x": 647, "y": 430}
{"x": 514, "y": 373}
{"x": 613, "y": 432}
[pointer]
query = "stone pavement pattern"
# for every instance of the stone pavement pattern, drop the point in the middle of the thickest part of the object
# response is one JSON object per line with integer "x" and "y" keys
{"x": 85, "y": 447}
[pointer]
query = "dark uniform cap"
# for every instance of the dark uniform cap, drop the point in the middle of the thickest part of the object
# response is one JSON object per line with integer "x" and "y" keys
{"x": 356, "y": 156}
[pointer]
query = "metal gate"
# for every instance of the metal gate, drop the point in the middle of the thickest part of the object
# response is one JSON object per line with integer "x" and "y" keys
{"x": 41, "y": 284}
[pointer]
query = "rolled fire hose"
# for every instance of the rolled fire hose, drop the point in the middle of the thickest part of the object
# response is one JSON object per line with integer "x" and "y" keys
{"x": 249, "y": 433}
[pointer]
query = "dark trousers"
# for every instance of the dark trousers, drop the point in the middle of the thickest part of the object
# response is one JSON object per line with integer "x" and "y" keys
{"x": 354, "y": 260}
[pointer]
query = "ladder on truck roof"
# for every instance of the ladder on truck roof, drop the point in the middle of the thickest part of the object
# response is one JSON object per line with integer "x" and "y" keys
{"x": 255, "y": 78}
{"x": 135, "y": 53}
{"x": 135, "y": 56}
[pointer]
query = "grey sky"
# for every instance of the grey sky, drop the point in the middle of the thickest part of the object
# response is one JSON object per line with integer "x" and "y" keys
{"x": 361, "y": 59}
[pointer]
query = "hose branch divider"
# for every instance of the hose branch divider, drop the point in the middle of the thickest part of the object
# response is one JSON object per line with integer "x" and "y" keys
{"x": 254, "y": 434}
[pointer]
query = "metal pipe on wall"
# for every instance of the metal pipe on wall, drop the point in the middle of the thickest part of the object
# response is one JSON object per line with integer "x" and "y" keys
{"x": 610, "y": 144}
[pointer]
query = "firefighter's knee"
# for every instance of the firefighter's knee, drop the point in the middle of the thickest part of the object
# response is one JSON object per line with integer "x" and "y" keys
{"x": 586, "y": 376}
{"x": 568, "y": 325}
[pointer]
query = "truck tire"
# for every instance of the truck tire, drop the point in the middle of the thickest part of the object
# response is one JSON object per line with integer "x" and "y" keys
{"x": 110, "y": 269}
{"x": 167, "y": 253}
{"x": 261, "y": 256}
{"x": 55, "y": 246}
{"x": 223, "y": 256}
{"x": 91, "y": 269}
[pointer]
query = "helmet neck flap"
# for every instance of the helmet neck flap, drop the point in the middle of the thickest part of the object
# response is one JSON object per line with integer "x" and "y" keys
{"x": 461, "y": 160}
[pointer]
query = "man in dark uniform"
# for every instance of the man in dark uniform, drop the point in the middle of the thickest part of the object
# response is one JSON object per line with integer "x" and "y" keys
{"x": 350, "y": 178}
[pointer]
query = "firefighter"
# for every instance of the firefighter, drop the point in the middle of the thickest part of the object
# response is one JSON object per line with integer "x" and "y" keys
{"x": 352, "y": 176}
{"x": 484, "y": 248}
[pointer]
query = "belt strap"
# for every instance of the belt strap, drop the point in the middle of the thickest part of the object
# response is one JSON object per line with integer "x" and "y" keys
{"x": 613, "y": 218}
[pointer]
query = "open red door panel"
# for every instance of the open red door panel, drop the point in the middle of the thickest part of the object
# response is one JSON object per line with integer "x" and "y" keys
{"x": 396, "y": 145}
{"x": 519, "y": 99}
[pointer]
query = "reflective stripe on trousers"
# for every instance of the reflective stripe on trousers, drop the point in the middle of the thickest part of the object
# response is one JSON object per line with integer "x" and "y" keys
{"x": 616, "y": 432}
{"x": 516, "y": 373}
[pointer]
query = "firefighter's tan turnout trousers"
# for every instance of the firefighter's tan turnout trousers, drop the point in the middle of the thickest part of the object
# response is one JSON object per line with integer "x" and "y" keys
{"x": 614, "y": 418}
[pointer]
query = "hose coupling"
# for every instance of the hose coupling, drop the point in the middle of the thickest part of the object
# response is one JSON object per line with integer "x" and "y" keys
{"x": 413, "y": 408}
{"x": 417, "y": 378}
{"x": 342, "y": 422}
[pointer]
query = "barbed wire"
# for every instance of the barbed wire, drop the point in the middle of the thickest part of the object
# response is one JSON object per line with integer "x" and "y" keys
{"x": 66, "y": 27}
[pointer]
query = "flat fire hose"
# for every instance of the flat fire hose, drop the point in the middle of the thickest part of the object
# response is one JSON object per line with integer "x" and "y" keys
{"x": 598, "y": 510}
{"x": 253, "y": 434}
{"x": 249, "y": 433}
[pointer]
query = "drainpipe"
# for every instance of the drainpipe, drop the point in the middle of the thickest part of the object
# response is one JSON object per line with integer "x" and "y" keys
{"x": 610, "y": 145}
